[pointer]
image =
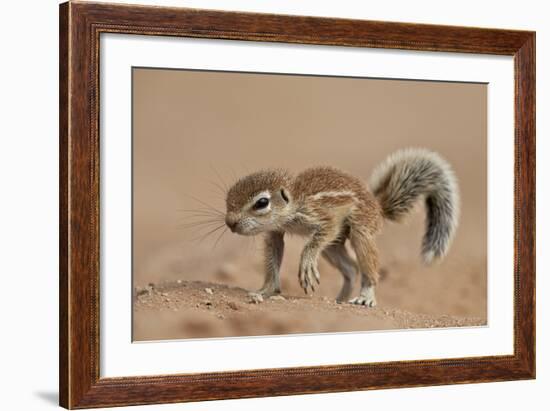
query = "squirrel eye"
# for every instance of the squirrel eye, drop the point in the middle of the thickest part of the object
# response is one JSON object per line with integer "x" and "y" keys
{"x": 261, "y": 203}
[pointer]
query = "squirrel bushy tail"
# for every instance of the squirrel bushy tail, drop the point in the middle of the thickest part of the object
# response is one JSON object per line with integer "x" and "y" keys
{"x": 410, "y": 174}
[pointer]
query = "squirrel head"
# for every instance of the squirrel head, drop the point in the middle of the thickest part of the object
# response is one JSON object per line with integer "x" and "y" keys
{"x": 259, "y": 202}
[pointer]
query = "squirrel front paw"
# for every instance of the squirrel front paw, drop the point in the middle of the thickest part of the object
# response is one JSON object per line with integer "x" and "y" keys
{"x": 308, "y": 275}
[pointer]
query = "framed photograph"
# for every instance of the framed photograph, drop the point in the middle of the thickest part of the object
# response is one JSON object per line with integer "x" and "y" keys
{"x": 259, "y": 205}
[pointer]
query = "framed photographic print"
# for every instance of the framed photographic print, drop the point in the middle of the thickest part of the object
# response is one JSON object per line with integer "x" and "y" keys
{"x": 258, "y": 205}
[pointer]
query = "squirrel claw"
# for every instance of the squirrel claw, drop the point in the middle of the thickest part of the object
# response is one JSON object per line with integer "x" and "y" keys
{"x": 308, "y": 276}
{"x": 363, "y": 300}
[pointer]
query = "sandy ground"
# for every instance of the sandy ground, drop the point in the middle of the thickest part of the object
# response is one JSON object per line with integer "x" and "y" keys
{"x": 194, "y": 133}
{"x": 200, "y": 309}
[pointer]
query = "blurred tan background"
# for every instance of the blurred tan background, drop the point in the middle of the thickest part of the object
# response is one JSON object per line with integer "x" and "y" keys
{"x": 194, "y": 131}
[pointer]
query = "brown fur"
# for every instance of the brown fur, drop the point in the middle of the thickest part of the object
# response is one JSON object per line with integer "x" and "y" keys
{"x": 325, "y": 204}
{"x": 329, "y": 207}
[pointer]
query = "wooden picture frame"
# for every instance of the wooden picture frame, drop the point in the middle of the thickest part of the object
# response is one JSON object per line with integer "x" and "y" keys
{"x": 80, "y": 27}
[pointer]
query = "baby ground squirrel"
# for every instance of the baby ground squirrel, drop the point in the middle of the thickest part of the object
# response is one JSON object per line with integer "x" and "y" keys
{"x": 329, "y": 206}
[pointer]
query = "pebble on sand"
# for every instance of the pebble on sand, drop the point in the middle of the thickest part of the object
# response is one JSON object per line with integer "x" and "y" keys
{"x": 233, "y": 305}
{"x": 142, "y": 291}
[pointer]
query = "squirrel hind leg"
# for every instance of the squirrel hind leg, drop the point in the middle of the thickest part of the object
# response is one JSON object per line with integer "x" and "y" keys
{"x": 367, "y": 259}
{"x": 338, "y": 257}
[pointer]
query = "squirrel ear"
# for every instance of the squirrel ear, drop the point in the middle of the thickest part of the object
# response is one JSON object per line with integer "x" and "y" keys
{"x": 284, "y": 194}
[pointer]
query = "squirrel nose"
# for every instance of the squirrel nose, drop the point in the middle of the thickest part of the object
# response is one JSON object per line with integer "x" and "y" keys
{"x": 231, "y": 222}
